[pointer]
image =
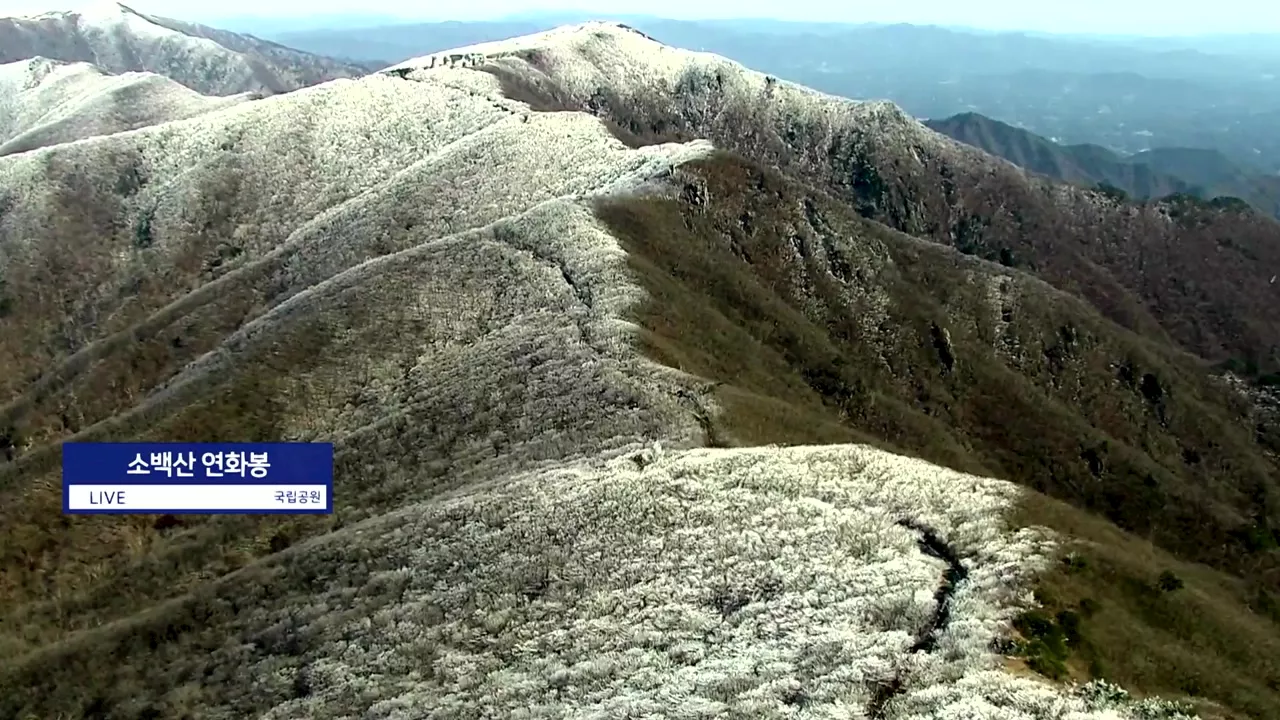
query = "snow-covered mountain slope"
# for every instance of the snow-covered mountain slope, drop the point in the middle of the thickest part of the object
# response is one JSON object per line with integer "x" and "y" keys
{"x": 46, "y": 102}
{"x": 211, "y": 62}
{"x": 1191, "y": 276}
{"x": 416, "y": 269}
{"x": 588, "y": 63}
{"x": 897, "y": 171}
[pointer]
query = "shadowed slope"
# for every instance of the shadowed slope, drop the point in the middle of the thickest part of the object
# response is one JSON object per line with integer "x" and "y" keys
{"x": 961, "y": 361}
{"x": 819, "y": 326}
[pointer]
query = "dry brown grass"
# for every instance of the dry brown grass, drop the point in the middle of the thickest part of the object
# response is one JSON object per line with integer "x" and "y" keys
{"x": 1215, "y": 640}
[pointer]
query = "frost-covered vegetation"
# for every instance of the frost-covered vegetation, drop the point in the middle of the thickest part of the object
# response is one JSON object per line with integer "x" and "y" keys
{"x": 430, "y": 273}
{"x": 117, "y": 40}
{"x": 895, "y": 170}
{"x": 698, "y": 92}
{"x": 46, "y": 102}
{"x": 766, "y": 582}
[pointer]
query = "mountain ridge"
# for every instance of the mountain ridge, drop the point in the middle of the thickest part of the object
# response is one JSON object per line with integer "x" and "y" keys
{"x": 49, "y": 102}
{"x": 880, "y": 166}
{"x": 209, "y": 61}
{"x": 1122, "y": 96}
{"x": 557, "y": 302}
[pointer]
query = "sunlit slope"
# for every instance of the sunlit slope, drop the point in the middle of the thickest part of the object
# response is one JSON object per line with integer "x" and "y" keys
{"x": 45, "y": 102}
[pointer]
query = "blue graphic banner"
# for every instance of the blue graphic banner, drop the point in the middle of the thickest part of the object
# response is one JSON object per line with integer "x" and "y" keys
{"x": 149, "y": 478}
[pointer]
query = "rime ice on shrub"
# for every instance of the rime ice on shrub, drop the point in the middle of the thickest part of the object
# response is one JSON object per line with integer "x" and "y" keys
{"x": 707, "y": 582}
{"x": 207, "y": 60}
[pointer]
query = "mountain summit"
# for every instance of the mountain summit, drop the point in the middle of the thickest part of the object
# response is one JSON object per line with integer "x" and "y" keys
{"x": 118, "y": 39}
{"x": 658, "y": 387}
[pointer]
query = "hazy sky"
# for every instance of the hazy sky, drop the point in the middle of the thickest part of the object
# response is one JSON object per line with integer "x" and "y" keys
{"x": 1146, "y": 17}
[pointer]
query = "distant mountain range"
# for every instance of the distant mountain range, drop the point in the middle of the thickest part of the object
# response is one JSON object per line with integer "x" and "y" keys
{"x": 1150, "y": 174}
{"x": 899, "y": 46}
